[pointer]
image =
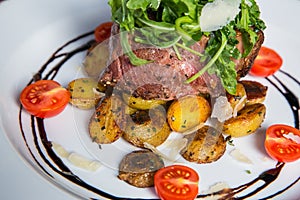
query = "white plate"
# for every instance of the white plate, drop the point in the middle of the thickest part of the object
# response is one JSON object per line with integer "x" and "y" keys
{"x": 32, "y": 31}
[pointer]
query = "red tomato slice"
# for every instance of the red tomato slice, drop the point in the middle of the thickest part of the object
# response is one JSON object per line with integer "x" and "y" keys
{"x": 279, "y": 146}
{"x": 102, "y": 32}
{"x": 266, "y": 63}
{"x": 176, "y": 182}
{"x": 44, "y": 98}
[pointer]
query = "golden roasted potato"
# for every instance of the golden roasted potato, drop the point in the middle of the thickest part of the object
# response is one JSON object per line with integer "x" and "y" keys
{"x": 246, "y": 122}
{"x": 103, "y": 126}
{"x": 204, "y": 146}
{"x": 238, "y": 100}
{"x": 188, "y": 112}
{"x": 147, "y": 127}
{"x": 141, "y": 104}
{"x": 85, "y": 93}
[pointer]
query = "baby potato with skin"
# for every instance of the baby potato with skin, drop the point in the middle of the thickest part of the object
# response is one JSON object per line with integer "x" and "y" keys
{"x": 85, "y": 93}
{"x": 247, "y": 121}
{"x": 103, "y": 126}
{"x": 147, "y": 127}
{"x": 188, "y": 112}
{"x": 205, "y": 145}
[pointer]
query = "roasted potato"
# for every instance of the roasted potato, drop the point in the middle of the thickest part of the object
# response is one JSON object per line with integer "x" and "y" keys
{"x": 85, "y": 93}
{"x": 247, "y": 121}
{"x": 238, "y": 100}
{"x": 188, "y": 112}
{"x": 103, "y": 126}
{"x": 96, "y": 60}
{"x": 204, "y": 145}
{"x": 147, "y": 127}
{"x": 256, "y": 92}
{"x": 141, "y": 104}
{"x": 138, "y": 168}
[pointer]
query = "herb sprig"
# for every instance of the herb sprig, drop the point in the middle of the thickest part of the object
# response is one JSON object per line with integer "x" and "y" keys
{"x": 155, "y": 20}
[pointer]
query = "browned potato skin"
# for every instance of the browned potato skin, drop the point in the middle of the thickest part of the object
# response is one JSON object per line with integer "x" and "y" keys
{"x": 247, "y": 121}
{"x": 206, "y": 145}
{"x": 103, "y": 128}
{"x": 141, "y": 129}
{"x": 256, "y": 92}
{"x": 188, "y": 112}
{"x": 85, "y": 93}
{"x": 235, "y": 100}
{"x": 138, "y": 168}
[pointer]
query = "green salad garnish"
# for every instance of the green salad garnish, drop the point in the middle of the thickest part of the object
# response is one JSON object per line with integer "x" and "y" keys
{"x": 175, "y": 23}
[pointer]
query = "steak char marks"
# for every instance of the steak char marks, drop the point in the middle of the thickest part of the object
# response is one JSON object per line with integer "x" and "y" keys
{"x": 164, "y": 77}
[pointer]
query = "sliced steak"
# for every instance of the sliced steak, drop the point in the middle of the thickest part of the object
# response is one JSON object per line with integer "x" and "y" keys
{"x": 165, "y": 77}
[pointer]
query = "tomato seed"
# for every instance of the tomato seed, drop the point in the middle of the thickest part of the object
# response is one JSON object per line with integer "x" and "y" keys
{"x": 34, "y": 100}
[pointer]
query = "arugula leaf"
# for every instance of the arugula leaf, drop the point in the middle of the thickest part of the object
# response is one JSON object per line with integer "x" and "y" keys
{"x": 143, "y": 4}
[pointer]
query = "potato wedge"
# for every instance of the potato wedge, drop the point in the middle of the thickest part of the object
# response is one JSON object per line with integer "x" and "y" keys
{"x": 85, "y": 93}
{"x": 188, "y": 112}
{"x": 248, "y": 120}
{"x": 103, "y": 127}
{"x": 147, "y": 127}
{"x": 141, "y": 104}
{"x": 205, "y": 145}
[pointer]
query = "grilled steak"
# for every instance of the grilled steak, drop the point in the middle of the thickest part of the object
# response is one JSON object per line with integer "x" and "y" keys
{"x": 164, "y": 77}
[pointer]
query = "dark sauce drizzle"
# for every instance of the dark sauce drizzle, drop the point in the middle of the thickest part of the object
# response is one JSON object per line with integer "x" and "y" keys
{"x": 289, "y": 96}
{"x": 228, "y": 193}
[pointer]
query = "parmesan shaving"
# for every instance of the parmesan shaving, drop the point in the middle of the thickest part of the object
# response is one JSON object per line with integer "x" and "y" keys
{"x": 76, "y": 159}
{"x": 82, "y": 162}
{"x": 218, "y": 14}
{"x": 222, "y": 109}
{"x": 238, "y": 106}
{"x": 62, "y": 152}
{"x": 215, "y": 188}
{"x": 239, "y": 156}
{"x": 174, "y": 146}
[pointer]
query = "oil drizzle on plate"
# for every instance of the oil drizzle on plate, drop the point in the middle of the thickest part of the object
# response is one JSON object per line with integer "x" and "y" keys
{"x": 38, "y": 131}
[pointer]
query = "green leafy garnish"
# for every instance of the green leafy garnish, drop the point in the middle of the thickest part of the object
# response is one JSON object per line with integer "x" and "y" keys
{"x": 175, "y": 23}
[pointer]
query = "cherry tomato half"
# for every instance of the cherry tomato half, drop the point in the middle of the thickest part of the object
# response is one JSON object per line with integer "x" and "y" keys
{"x": 102, "y": 32}
{"x": 266, "y": 63}
{"x": 44, "y": 98}
{"x": 176, "y": 182}
{"x": 281, "y": 147}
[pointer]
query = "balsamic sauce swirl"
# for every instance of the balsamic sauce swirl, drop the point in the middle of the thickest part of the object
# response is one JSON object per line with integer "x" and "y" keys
{"x": 38, "y": 132}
